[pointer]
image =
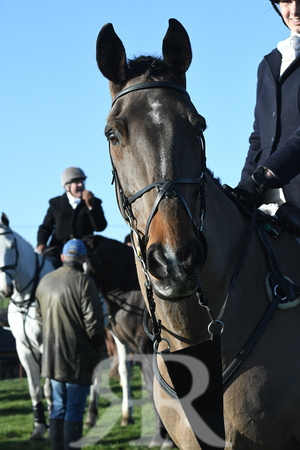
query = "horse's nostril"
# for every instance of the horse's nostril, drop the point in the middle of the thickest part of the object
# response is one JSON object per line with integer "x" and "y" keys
{"x": 157, "y": 262}
{"x": 187, "y": 260}
{"x": 193, "y": 255}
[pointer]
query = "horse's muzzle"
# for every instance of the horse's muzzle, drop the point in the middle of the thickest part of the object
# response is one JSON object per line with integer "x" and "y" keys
{"x": 175, "y": 274}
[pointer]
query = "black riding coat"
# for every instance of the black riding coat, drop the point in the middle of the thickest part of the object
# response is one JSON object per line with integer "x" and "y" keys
{"x": 275, "y": 141}
{"x": 70, "y": 313}
{"x": 62, "y": 222}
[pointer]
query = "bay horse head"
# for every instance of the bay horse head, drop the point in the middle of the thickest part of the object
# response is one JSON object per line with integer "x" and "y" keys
{"x": 157, "y": 151}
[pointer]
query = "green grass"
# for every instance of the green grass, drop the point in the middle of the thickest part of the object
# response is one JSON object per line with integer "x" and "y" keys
{"x": 4, "y": 303}
{"x": 16, "y": 417}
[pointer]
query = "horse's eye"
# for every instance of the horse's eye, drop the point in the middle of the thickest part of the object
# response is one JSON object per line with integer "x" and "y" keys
{"x": 113, "y": 138}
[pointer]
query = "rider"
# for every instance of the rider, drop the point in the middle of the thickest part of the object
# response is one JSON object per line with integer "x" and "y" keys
{"x": 75, "y": 214}
{"x": 273, "y": 159}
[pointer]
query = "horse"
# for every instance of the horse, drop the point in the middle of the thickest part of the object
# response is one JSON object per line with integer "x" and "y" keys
{"x": 20, "y": 271}
{"x": 111, "y": 263}
{"x": 206, "y": 267}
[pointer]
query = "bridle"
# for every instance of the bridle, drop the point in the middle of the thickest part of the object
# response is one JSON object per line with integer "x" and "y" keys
{"x": 13, "y": 267}
{"x": 6, "y": 268}
{"x": 23, "y": 306}
{"x": 169, "y": 188}
{"x": 165, "y": 188}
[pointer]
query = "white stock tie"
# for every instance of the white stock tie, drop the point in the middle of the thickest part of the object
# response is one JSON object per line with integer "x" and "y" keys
{"x": 295, "y": 43}
{"x": 290, "y": 50}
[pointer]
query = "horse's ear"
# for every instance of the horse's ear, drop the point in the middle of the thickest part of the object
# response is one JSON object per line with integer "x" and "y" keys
{"x": 4, "y": 219}
{"x": 177, "y": 51}
{"x": 111, "y": 56}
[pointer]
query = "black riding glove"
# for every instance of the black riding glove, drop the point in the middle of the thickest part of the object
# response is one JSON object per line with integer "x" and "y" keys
{"x": 290, "y": 216}
{"x": 251, "y": 191}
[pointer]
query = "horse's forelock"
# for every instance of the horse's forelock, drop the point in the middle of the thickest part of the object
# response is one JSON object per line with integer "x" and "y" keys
{"x": 146, "y": 65}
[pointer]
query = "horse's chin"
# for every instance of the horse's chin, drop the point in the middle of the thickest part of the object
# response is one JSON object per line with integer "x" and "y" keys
{"x": 174, "y": 293}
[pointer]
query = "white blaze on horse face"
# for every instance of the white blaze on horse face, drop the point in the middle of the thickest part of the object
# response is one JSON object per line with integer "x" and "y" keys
{"x": 173, "y": 261}
{"x": 155, "y": 113}
{"x": 157, "y": 118}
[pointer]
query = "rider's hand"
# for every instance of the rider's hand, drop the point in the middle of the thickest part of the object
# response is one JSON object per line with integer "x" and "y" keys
{"x": 290, "y": 216}
{"x": 251, "y": 191}
{"x": 40, "y": 249}
{"x": 89, "y": 198}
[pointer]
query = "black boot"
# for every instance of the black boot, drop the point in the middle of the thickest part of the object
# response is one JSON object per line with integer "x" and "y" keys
{"x": 57, "y": 434}
{"x": 40, "y": 425}
{"x": 39, "y": 414}
{"x": 72, "y": 433}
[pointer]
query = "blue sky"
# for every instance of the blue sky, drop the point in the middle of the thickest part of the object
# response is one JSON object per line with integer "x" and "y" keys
{"x": 54, "y": 101}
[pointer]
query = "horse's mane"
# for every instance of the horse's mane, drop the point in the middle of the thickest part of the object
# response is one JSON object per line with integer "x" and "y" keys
{"x": 99, "y": 238}
{"x": 22, "y": 239}
{"x": 115, "y": 269}
{"x": 24, "y": 246}
{"x": 153, "y": 68}
{"x": 215, "y": 179}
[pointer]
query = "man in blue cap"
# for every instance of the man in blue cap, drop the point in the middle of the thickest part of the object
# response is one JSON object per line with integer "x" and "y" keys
{"x": 70, "y": 313}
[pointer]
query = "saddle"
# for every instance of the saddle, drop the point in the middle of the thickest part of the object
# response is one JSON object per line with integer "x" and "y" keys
{"x": 53, "y": 255}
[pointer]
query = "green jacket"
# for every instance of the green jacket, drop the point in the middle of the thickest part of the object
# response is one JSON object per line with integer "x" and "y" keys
{"x": 70, "y": 312}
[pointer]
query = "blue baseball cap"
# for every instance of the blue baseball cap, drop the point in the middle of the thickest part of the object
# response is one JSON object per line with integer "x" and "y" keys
{"x": 74, "y": 248}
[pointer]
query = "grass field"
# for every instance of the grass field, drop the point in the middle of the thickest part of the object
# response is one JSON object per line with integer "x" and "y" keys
{"x": 16, "y": 417}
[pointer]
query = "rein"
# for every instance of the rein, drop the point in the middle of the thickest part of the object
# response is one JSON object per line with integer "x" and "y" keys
{"x": 165, "y": 189}
{"x": 283, "y": 290}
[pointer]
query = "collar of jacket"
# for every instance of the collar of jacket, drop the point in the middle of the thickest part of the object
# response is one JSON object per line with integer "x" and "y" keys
{"x": 74, "y": 264}
{"x": 273, "y": 60}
